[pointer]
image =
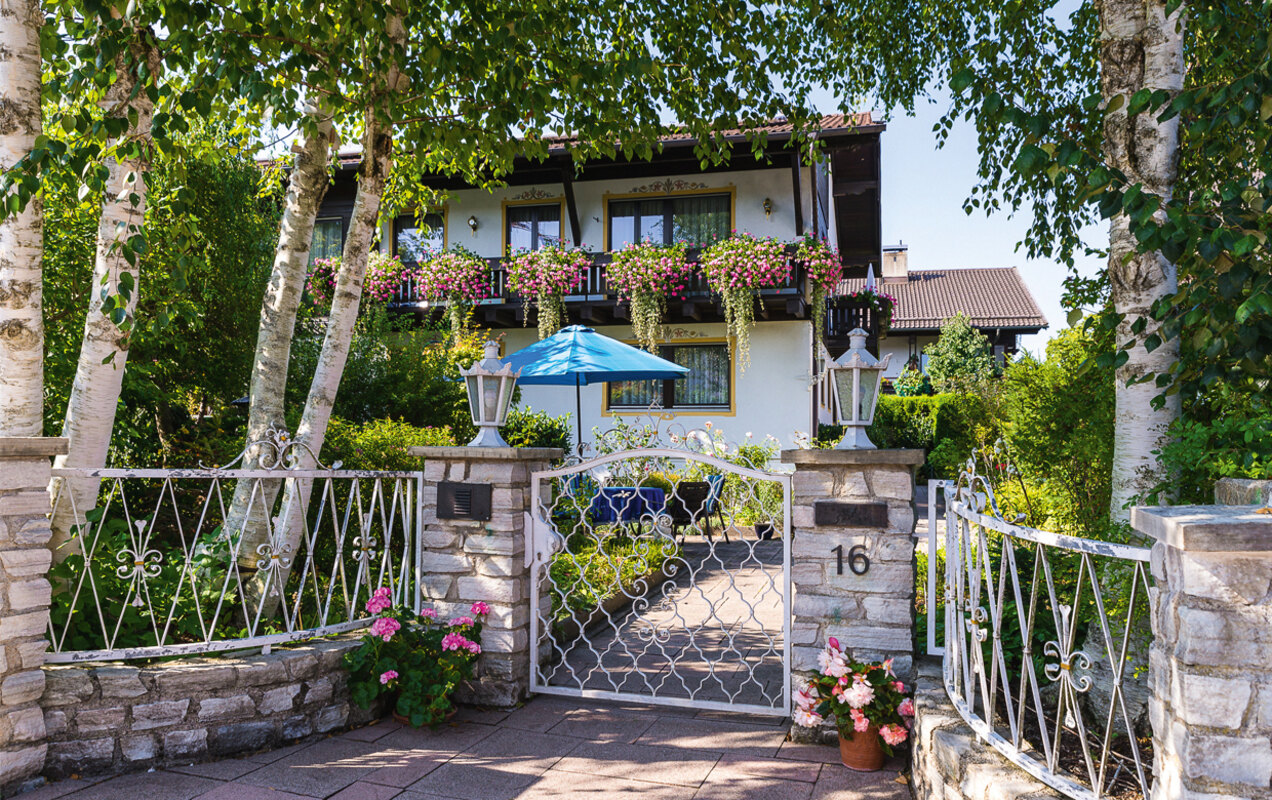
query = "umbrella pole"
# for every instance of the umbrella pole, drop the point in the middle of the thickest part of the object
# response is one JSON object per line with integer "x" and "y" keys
{"x": 578, "y": 414}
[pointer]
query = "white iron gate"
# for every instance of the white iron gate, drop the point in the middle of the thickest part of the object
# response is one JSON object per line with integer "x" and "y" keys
{"x": 662, "y": 576}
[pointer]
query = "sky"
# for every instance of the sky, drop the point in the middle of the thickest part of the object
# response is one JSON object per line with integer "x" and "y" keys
{"x": 923, "y": 189}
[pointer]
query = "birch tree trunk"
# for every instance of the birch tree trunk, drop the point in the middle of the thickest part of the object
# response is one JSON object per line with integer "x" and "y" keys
{"x": 373, "y": 178}
{"x": 22, "y": 234}
{"x": 1141, "y": 47}
{"x": 99, "y": 375}
{"x": 307, "y": 184}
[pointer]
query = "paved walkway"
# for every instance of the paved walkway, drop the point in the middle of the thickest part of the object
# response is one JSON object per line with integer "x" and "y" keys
{"x": 711, "y": 632}
{"x": 550, "y": 748}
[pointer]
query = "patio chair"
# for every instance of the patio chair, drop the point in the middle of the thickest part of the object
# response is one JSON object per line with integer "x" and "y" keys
{"x": 624, "y": 505}
{"x": 697, "y": 500}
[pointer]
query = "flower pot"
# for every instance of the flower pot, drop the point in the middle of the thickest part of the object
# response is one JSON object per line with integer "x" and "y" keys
{"x": 862, "y": 751}
{"x": 403, "y": 720}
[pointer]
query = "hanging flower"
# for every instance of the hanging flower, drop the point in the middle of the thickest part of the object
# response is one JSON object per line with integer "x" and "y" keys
{"x": 384, "y": 278}
{"x": 822, "y": 270}
{"x": 547, "y": 275}
{"x": 458, "y": 276}
{"x": 645, "y": 275}
{"x": 736, "y": 268}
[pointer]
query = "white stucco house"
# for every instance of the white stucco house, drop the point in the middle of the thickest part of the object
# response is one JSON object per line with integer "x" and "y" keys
{"x": 603, "y": 204}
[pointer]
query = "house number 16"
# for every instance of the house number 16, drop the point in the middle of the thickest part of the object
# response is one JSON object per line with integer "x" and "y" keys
{"x": 858, "y": 562}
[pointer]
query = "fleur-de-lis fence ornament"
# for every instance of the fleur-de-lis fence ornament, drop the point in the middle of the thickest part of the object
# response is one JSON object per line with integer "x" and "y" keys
{"x": 1068, "y": 659}
{"x": 136, "y": 566}
{"x": 273, "y": 561}
{"x": 363, "y": 547}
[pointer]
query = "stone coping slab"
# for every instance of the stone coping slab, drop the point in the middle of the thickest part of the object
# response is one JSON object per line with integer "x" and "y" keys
{"x": 1214, "y": 529}
{"x": 488, "y": 453}
{"x": 32, "y": 446}
{"x": 833, "y": 458}
{"x": 1242, "y": 492}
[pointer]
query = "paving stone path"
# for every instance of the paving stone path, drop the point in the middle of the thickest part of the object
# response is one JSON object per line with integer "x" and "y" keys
{"x": 711, "y": 632}
{"x": 550, "y": 748}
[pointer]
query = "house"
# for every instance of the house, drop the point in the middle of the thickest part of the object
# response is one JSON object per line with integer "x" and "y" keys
{"x": 996, "y": 300}
{"x": 610, "y": 202}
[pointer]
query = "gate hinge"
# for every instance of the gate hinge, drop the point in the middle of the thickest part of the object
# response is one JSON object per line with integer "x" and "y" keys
{"x": 539, "y": 539}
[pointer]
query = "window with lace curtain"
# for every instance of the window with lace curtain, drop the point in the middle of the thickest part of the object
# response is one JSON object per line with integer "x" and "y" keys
{"x": 707, "y": 386}
{"x": 699, "y": 220}
{"x": 328, "y": 241}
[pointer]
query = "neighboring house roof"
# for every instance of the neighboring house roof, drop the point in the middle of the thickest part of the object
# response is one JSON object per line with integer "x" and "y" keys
{"x": 993, "y": 297}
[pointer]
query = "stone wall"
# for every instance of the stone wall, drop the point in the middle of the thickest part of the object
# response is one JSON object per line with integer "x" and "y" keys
{"x": 872, "y": 614}
{"x": 464, "y": 560}
{"x": 949, "y": 762}
{"x": 1242, "y": 492}
{"x": 117, "y": 717}
{"x": 1210, "y": 665}
{"x": 24, "y": 603}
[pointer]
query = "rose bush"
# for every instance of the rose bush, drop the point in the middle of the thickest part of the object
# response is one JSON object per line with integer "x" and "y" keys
{"x": 414, "y": 660}
{"x": 862, "y": 698}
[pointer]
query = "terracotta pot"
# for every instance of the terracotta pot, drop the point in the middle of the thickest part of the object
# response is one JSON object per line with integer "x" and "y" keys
{"x": 863, "y": 751}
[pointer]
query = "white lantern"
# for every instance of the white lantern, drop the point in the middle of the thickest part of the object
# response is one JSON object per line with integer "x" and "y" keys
{"x": 490, "y": 383}
{"x": 857, "y": 376}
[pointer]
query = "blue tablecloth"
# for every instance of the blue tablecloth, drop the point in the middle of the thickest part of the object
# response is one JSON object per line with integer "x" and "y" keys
{"x": 626, "y": 503}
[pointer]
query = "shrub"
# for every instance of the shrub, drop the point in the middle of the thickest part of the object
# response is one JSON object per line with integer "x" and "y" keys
{"x": 1228, "y": 434}
{"x": 961, "y": 423}
{"x": 911, "y": 383}
{"x": 961, "y": 358}
{"x": 527, "y": 428}
{"x": 379, "y": 445}
{"x": 1058, "y": 425}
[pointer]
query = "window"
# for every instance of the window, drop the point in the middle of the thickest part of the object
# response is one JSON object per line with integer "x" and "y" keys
{"x": 328, "y": 241}
{"x": 706, "y": 385}
{"x": 699, "y": 219}
{"x": 532, "y": 227}
{"x": 412, "y": 242}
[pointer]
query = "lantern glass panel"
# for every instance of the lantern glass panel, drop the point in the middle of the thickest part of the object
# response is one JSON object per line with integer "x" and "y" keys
{"x": 843, "y": 387}
{"x": 473, "y": 383}
{"x": 869, "y": 391}
{"x": 490, "y": 398}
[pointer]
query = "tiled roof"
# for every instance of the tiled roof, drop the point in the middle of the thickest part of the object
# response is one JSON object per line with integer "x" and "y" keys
{"x": 829, "y": 124}
{"x": 993, "y": 297}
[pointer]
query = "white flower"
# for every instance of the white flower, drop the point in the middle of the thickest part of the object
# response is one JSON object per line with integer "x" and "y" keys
{"x": 858, "y": 695}
{"x": 806, "y": 719}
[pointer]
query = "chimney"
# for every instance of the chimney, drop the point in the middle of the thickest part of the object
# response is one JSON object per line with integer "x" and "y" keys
{"x": 895, "y": 263}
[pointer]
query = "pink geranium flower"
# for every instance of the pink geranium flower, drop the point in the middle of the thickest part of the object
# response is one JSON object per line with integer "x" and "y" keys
{"x": 479, "y": 609}
{"x": 385, "y": 627}
{"x": 429, "y": 613}
{"x": 388, "y": 675}
{"x": 461, "y": 622}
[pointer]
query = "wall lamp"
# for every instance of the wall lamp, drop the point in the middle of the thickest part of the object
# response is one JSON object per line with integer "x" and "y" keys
{"x": 768, "y": 207}
{"x": 472, "y": 224}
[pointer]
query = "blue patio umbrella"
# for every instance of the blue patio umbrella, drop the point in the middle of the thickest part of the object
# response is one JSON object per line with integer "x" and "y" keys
{"x": 577, "y": 356}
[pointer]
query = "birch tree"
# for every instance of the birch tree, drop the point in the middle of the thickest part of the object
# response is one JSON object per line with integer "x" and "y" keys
{"x": 90, "y": 414}
{"x": 1087, "y": 114}
{"x": 21, "y": 235}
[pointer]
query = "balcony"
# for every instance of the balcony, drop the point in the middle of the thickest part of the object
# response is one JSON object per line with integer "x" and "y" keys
{"x": 597, "y": 304}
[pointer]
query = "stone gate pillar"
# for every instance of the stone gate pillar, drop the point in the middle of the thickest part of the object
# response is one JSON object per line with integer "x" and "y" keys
{"x": 24, "y": 604}
{"x": 1210, "y": 665}
{"x": 465, "y": 559}
{"x": 849, "y": 507}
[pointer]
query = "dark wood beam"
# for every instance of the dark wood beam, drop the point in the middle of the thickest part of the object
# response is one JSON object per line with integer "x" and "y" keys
{"x": 571, "y": 206}
{"x": 691, "y": 310}
{"x": 849, "y": 188}
{"x": 796, "y": 307}
{"x": 798, "y": 195}
{"x": 593, "y": 315}
{"x": 621, "y": 312}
